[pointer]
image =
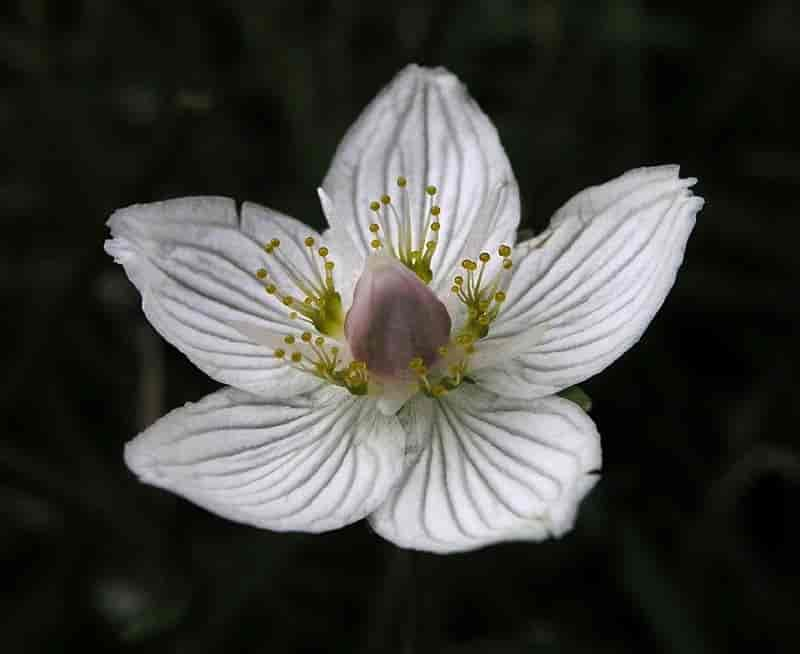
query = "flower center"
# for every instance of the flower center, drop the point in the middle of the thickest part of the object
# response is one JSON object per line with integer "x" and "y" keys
{"x": 398, "y": 331}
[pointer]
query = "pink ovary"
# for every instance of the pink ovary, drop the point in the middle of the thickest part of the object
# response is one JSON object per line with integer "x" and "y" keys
{"x": 394, "y": 318}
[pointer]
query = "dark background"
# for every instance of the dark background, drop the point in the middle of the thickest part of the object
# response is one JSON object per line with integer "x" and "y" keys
{"x": 688, "y": 545}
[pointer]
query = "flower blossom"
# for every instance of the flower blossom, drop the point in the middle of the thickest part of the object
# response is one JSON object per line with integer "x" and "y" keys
{"x": 404, "y": 365}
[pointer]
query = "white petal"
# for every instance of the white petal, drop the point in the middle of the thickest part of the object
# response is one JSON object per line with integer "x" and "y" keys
{"x": 195, "y": 269}
{"x": 315, "y": 462}
{"x": 497, "y": 351}
{"x": 426, "y": 127}
{"x": 492, "y": 469}
{"x": 594, "y": 281}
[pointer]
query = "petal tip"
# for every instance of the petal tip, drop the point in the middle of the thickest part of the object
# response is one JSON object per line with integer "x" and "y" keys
{"x": 120, "y": 249}
{"x": 437, "y": 73}
{"x": 560, "y": 518}
{"x": 140, "y": 460}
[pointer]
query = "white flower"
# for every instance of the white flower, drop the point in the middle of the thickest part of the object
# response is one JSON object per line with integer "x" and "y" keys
{"x": 403, "y": 366}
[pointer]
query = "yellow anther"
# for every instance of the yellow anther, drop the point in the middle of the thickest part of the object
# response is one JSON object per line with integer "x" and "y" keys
{"x": 334, "y": 350}
{"x": 484, "y": 257}
{"x": 468, "y": 264}
{"x": 329, "y": 265}
{"x": 319, "y": 341}
{"x": 458, "y": 280}
{"x": 375, "y": 206}
{"x": 271, "y": 288}
{"x": 306, "y": 337}
{"x": 323, "y": 251}
{"x": 499, "y": 296}
{"x": 268, "y": 248}
{"x": 293, "y": 315}
{"x": 289, "y": 340}
{"x": 275, "y": 243}
{"x": 402, "y": 181}
{"x": 288, "y": 300}
{"x": 442, "y": 350}
{"x": 261, "y": 273}
{"x": 454, "y": 288}
{"x": 297, "y": 357}
{"x": 375, "y": 243}
{"x": 385, "y": 199}
{"x": 504, "y": 251}
{"x": 279, "y": 353}
{"x": 309, "y": 241}
{"x": 308, "y": 301}
{"x": 430, "y": 245}
{"x": 430, "y": 190}
{"x": 484, "y": 320}
{"x": 507, "y": 264}
{"x": 415, "y": 363}
{"x": 435, "y": 210}
{"x": 374, "y": 228}
{"x": 435, "y": 227}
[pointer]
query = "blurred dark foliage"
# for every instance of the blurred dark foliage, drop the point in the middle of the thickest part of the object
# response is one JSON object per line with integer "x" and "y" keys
{"x": 689, "y": 544}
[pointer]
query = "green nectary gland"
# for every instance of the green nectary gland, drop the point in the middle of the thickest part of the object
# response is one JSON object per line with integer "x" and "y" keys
{"x": 330, "y": 320}
{"x": 421, "y": 268}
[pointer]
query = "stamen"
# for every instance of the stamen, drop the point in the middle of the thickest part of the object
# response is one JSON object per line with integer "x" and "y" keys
{"x": 416, "y": 240}
{"x": 321, "y": 304}
{"x": 482, "y": 299}
{"x": 417, "y": 366}
{"x": 312, "y": 354}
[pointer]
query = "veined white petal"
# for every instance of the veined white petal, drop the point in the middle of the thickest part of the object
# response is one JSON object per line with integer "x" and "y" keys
{"x": 314, "y": 462}
{"x": 496, "y": 352}
{"x": 492, "y": 469}
{"x": 425, "y": 126}
{"x": 195, "y": 269}
{"x": 594, "y": 281}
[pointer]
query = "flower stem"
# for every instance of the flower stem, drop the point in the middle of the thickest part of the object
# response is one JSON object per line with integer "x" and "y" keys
{"x": 393, "y": 625}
